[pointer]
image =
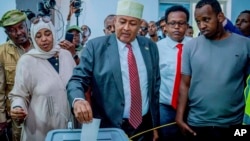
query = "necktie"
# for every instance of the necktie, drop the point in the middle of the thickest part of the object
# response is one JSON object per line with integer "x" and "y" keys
{"x": 136, "y": 105}
{"x": 177, "y": 77}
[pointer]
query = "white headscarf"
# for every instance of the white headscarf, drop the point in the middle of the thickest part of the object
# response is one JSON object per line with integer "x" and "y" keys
{"x": 37, "y": 51}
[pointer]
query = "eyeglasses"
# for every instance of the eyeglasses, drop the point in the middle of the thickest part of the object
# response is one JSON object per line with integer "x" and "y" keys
{"x": 161, "y": 27}
{"x": 174, "y": 23}
{"x": 144, "y": 28}
{"x": 45, "y": 19}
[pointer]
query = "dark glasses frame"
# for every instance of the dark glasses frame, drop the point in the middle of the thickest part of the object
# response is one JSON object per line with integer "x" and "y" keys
{"x": 144, "y": 28}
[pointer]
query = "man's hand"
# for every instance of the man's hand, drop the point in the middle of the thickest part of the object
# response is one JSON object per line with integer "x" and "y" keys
{"x": 185, "y": 129}
{"x": 68, "y": 46}
{"x": 83, "y": 111}
{"x": 155, "y": 135}
{"x": 72, "y": 10}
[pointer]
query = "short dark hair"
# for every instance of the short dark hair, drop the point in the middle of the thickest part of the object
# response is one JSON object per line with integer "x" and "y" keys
{"x": 213, "y": 3}
{"x": 87, "y": 28}
{"x": 245, "y": 11}
{"x": 159, "y": 21}
{"x": 109, "y": 16}
{"x": 176, "y": 8}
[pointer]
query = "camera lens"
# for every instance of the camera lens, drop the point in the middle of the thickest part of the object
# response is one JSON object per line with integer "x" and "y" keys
{"x": 77, "y": 4}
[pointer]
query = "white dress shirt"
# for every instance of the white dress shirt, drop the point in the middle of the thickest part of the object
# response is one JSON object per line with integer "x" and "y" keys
{"x": 168, "y": 61}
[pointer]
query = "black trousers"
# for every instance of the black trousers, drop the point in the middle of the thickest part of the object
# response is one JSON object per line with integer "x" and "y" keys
{"x": 212, "y": 133}
{"x": 145, "y": 125}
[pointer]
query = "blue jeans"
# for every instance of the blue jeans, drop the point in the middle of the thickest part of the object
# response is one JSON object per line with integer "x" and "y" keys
{"x": 172, "y": 132}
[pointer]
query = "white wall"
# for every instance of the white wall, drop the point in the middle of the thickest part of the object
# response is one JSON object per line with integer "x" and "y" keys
{"x": 95, "y": 11}
{"x": 93, "y": 14}
{"x": 4, "y": 7}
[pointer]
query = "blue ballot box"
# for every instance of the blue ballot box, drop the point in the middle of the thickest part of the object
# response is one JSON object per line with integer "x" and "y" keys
{"x": 104, "y": 134}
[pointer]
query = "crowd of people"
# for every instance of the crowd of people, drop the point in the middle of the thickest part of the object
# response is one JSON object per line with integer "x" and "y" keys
{"x": 176, "y": 86}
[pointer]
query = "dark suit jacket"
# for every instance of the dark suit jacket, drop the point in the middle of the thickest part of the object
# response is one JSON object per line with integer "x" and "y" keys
{"x": 100, "y": 67}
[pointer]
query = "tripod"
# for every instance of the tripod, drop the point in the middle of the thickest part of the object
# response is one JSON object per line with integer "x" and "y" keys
{"x": 77, "y": 14}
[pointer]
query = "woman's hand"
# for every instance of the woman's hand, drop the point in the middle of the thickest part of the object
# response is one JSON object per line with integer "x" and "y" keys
{"x": 18, "y": 114}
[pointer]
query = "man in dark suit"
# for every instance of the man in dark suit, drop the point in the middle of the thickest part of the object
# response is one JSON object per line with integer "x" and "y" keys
{"x": 106, "y": 66}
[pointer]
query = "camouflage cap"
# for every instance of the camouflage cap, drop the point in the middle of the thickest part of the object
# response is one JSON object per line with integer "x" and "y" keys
{"x": 12, "y": 17}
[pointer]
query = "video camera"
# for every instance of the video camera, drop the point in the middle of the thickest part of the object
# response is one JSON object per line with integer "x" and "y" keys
{"x": 77, "y": 4}
{"x": 30, "y": 15}
{"x": 45, "y": 6}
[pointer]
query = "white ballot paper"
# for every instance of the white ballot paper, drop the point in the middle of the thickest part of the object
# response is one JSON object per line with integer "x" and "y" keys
{"x": 90, "y": 130}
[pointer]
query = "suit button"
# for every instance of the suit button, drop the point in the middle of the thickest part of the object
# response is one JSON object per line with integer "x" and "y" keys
{"x": 122, "y": 104}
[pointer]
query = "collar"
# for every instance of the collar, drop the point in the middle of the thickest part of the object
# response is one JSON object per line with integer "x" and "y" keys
{"x": 14, "y": 45}
{"x": 11, "y": 48}
{"x": 173, "y": 43}
{"x": 122, "y": 45}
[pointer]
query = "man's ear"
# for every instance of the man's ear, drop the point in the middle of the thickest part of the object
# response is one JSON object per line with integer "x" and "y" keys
{"x": 221, "y": 17}
{"x": 7, "y": 33}
{"x": 115, "y": 18}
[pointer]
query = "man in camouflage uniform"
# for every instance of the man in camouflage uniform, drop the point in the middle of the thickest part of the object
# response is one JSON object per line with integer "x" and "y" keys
{"x": 14, "y": 24}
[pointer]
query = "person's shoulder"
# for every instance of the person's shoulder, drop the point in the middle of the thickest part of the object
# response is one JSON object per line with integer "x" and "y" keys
{"x": 190, "y": 40}
{"x": 100, "y": 38}
{"x": 64, "y": 52}
{"x": 26, "y": 57}
{"x": 161, "y": 42}
{"x": 26, "y": 60}
{"x": 193, "y": 43}
{"x": 240, "y": 37}
{"x": 200, "y": 38}
{"x": 145, "y": 40}
{"x": 100, "y": 41}
{"x": 4, "y": 46}
{"x": 187, "y": 38}
{"x": 236, "y": 39}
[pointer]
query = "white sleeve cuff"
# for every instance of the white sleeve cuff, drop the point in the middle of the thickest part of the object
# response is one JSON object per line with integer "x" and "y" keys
{"x": 224, "y": 23}
{"x": 76, "y": 100}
